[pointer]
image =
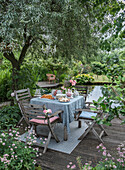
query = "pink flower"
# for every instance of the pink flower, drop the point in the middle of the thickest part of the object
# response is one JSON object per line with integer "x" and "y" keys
{"x": 104, "y": 153}
{"x": 74, "y": 166}
{"x": 12, "y": 95}
{"x": 70, "y": 81}
{"x": 108, "y": 155}
{"x": 101, "y": 144}
{"x": 3, "y": 134}
{"x": 70, "y": 163}
{"x": 63, "y": 88}
{"x": 114, "y": 166}
{"x": 10, "y": 134}
{"x": 118, "y": 148}
{"x": 68, "y": 166}
{"x": 45, "y": 111}
{"x": 73, "y": 84}
{"x": 97, "y": 147}
{"x": 49, "y": 111}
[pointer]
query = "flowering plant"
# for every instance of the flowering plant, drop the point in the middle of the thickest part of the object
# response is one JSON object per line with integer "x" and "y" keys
{"x": 107, "y": 163}
{"x": 14, "y": 153}
{"x": 47, "y": 111}
{"x": 9, "y": 116}
{"x": 73, "y": 82}
{"x": 84, "y": 78}
{"x": 64, "y": 89}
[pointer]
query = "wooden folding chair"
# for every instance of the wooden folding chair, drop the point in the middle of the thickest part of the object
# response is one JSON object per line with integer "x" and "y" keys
{"x": 87, "y": 115}
{"x": 25, "y": 96}
{"x": 35, "y": 116}
{"x": 83, "y": 90}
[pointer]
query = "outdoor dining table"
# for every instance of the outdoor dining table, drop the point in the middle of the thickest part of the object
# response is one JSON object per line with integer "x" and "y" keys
{"x": 68, "y": 109}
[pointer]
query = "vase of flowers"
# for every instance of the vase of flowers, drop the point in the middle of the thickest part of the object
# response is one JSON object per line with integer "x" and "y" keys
{"x": 69, "y": 93}
{"x": 73, "y": 82}
{"x": 63, "y": 90}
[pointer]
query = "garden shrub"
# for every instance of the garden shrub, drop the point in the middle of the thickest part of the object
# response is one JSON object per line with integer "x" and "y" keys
{"x": 98, "y": 68}
{"x": 86, "y": 69}
{"x": 84, "y": 78}
{"x": 15, "y": 154}
{"x": 27, "y": 77}
{"x": 9, "y": 116}
{"x": 5, "y": 85}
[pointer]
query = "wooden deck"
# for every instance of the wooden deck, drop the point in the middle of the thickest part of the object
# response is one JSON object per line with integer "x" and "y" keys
{"x": 46, "y": 84}
{"x": 53, "y": 160}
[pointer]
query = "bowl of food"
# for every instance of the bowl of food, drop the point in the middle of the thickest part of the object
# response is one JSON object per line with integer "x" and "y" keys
{"x": 60, "y": 95}
{"x": 47, "y": 96}
{"x": 63, "y": 99}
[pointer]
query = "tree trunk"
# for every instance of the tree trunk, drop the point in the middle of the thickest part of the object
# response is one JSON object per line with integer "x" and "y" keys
{"x": 9, "y": 55}
{"x": 15, "y": 72}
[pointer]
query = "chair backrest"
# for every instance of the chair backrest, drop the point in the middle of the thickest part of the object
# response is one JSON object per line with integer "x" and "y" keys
{"x": 51, "y": 76}
{"x": 83, "y": 90}
{"x": 33, "y": 111}
{"x": 22, "y": 95}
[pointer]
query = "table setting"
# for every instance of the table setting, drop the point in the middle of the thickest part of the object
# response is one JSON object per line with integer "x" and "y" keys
{"x": 64, "y": 99}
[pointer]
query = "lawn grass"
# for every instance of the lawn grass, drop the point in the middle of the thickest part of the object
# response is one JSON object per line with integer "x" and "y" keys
{"x": 101, "y": 78}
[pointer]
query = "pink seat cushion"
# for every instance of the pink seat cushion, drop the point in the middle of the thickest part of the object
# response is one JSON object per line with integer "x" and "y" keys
{"x": 40, "y": 121}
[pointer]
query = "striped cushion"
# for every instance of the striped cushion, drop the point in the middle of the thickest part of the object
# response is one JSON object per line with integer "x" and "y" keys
{"x": 40, "y": 121}
{"x": 86, "y": 114}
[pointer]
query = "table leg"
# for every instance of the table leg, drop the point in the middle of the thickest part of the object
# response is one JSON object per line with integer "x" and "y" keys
{"x": 65, "y": 133}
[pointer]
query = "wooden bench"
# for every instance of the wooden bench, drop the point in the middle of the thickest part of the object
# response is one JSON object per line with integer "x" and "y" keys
{"x": 83, "y": 90}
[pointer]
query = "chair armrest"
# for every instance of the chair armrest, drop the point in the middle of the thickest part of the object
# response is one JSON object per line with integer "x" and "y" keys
{"x": 56, "y": 113}
{"x": 88, "y": 110}
{"x": 88, "y": 102}
{"x": 78, "y": 110}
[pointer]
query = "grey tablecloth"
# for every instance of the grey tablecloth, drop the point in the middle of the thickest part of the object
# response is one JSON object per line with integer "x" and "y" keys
{"x": 68, "y": 108}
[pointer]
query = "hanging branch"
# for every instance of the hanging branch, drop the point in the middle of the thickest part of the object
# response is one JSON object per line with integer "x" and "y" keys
{"x": 118, "y": 95}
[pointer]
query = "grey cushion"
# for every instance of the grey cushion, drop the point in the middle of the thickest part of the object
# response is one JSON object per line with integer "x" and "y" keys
{"x": 86, "y": 114}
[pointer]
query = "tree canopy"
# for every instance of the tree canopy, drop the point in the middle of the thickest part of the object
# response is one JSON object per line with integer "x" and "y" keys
{"x": 68, "y": 27}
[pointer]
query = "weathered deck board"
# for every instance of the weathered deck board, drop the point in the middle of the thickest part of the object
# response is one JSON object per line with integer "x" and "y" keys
{"x": 46, "y": 84}
{"x": 53, "y": 160}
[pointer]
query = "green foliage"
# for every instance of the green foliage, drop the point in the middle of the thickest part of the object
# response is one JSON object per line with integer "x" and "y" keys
{"x": 43, "y": 26}
{"x": 84, "y": 78}
{"x": 5, "y": 85}
{"x": 56, "y": 66}
{"x": 45, "y": 91}
{"x": 27, "y": 77}
{"x": 9, "y": 117}
{"x": 115, "y": 67}
{"x": 86, "y": 69}
{"x": 98, "y": 68}
{"x": 112, "y": 103}
{"x": 15, "y": 154}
